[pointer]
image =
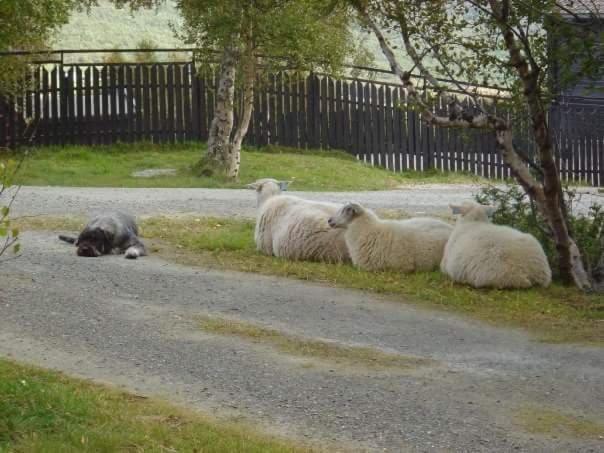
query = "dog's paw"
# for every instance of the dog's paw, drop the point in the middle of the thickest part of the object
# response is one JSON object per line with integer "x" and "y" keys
{"x": 132, "y": 253}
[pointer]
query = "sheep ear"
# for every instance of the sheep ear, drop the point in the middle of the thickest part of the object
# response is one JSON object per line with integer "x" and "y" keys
{"x": 355, "y": 208}
{"x": 456, "y": 209}
{"x": 283, "y": 185}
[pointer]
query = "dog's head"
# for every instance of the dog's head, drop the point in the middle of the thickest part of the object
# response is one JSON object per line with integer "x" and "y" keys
{"x": 93, "y": 243}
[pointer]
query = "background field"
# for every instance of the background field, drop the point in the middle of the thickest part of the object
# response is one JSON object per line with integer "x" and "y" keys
{"x": 111, "y": 166}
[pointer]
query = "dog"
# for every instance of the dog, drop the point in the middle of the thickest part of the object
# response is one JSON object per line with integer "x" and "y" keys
{"x": 114, "y": 232}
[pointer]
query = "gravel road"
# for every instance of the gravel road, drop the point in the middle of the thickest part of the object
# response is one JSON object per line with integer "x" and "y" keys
{"x": 434, "y": 198}
{"x": 131, "y": 323}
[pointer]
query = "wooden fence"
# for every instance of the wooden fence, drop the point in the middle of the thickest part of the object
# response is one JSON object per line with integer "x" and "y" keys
{"x": 171, "y": 102}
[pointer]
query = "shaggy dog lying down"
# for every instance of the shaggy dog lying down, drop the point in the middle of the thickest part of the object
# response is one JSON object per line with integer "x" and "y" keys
{"x": 114, "y": 232}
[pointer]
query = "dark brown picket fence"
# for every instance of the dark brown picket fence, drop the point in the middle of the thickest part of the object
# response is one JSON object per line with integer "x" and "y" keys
{"x": 171, "y": 102}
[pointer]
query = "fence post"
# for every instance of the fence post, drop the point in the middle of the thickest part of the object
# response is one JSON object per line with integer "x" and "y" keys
{"x": 195, "y": 101}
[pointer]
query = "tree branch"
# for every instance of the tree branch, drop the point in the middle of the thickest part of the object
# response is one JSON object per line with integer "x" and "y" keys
{"x": 459, "y": 119}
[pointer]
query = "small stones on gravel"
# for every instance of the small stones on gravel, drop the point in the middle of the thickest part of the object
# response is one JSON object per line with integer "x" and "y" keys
{"x": 151, "y": 172}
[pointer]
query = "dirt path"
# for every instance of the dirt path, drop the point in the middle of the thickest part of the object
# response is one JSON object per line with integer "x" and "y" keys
{"x": 132, "y": 323}
{"x": 419, "y": 199}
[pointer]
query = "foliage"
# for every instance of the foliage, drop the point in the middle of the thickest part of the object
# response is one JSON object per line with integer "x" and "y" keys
{"x": 462, "y": 41}
{"x": 305, "y": 33}
{"x": 146, "y": 57}
{"x": 27, "y": 25}
{"x": 9, "y": 234}
{"x": 514, "y": 208}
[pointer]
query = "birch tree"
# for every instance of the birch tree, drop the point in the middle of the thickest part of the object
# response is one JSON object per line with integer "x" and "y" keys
{"x": 511, "y": 43}
{"x": 296, "y": 34}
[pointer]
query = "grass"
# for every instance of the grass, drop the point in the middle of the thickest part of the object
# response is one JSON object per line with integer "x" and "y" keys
{"x": 330, "y": 352}
{"x": 48, "y": 412}
{"x": 552, "y": 422}
{"x": 111, "y": 166}
{"x": 555, "y": 314}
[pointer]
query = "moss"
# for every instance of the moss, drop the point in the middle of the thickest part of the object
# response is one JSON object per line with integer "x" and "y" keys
{"x": 553, "y": 422}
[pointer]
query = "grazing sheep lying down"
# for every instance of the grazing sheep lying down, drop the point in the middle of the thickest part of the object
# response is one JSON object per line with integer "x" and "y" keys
{"x": 296, "y": 229}
{"x": 485, "y": 255}
{"x": 405, "y": 245}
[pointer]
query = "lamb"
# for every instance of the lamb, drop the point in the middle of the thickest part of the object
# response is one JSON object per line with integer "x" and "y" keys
{"x": 404, "y": 245}
{"x": 296, "y": 229}
{"x": 482, "y": 254}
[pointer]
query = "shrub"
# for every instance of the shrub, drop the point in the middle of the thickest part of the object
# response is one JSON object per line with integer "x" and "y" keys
{"x": 8, "y": 236}
{"x": 514, "y": 208}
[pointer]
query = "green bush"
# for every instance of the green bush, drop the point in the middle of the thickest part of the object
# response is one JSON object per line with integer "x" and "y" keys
{"x": 8, "y": 235}
{"x": 513, "y": 208}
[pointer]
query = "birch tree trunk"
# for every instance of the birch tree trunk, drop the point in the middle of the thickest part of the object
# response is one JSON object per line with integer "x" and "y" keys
{"x": 219, "y": 158}
{"x": 549, "y": 199}
{"x": 234, "y": 151}
{"x": 224, "y": 147}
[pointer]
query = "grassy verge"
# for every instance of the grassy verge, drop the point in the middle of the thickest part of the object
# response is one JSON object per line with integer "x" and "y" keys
{"x": 329, "y": 352}
{"x": 46, "y": 411}
{"x": 555, "y": 314}
{"x": 111, "y": 166}
{"x": 554, "y": 423}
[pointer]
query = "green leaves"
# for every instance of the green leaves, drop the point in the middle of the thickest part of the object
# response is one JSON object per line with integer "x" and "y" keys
{"x": 28, "y": 25}
{"x": 305, "y": 33}
{"x": 8, "y": 235}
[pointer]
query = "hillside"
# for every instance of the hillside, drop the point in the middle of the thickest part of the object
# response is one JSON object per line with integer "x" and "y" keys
{"x": 107, "y": 27}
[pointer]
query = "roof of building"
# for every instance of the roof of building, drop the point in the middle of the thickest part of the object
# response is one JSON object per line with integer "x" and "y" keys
{"x": 582, "y": 8}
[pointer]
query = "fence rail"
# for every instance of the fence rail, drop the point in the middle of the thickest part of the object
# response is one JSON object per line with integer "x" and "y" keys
{"x": 103, "y": 103}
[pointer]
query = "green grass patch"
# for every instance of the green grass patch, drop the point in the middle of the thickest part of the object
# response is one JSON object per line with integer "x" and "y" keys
{"x": 49, "y": 412}
{"x": 112, "y": 166}
{"x": 555, "y": 423}
{"x": 333, "y": 353}
{"x": 554, "y": 314}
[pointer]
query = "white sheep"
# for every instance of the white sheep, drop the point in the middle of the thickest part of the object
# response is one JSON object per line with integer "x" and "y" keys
{"x": 405, "y": 245}
{"x": 296, "y": 229}
{"x": 482, "y": 254}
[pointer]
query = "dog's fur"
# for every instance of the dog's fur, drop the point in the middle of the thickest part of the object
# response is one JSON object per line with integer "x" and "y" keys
{"x": 115, "y": 232}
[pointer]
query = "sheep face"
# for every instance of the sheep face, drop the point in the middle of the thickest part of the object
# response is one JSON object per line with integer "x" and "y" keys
{"x": 472, "y": 212}
{"x": 345, "y": 215}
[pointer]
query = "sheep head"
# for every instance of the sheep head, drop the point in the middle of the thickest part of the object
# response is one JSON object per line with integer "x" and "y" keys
{"x": 266, "y": 188}
{"x": 345, "y": 215}
{"x": 470, "y": 211}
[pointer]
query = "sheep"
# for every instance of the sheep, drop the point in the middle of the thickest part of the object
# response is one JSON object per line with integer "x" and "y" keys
{"x": 404, "y": 245}
{"x": 296, "y": 229}
{"x": 482, "y": 254}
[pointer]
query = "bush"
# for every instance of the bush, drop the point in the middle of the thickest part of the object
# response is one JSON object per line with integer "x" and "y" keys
{"x": 8, "y": 236}
{"x": 513, "y": 208}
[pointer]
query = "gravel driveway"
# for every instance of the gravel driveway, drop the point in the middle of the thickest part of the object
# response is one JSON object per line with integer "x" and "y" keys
{"x": 131, "y": 323}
